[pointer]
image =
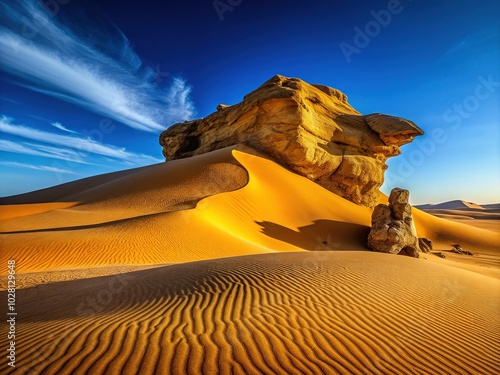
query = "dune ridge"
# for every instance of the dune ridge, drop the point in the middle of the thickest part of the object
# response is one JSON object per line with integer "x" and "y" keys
{"x": 151, "y": 215}
{"x": 485, "y": 216}
{"x": 451, "y": 205}
{"x": 19, "y": 210}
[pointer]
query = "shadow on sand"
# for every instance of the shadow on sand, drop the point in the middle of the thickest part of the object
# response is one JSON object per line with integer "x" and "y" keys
{"x": 321, "y": 235}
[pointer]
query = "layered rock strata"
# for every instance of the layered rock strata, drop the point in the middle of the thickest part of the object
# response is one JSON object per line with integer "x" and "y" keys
{"x": 310, "y": 129}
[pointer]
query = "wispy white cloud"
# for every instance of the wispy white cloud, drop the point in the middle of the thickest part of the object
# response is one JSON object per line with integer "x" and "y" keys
{"x": 86, "y": 145}
{"x": 98, "y": 70}
{"x": 34, "y": 149}
{"x": 60, "y": 126}
{"x": 9, "y": 100}
{"x": 470, "y": 45}
{"x": 456, "y": 47}
{"x": 37, "y": 167}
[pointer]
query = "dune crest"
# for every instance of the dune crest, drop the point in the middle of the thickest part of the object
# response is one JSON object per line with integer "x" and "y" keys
{"x": 18, "y": 210}
{"x": 260, "y": 208}
{"x": 451, "y": 205}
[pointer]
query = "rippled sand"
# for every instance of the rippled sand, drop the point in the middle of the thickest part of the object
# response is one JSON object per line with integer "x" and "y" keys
{"x": 229, "y": 263}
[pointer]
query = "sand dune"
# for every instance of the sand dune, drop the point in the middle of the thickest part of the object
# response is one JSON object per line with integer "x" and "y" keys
{"x": 489, "y": 224}
{"x": 20, "y": 210}
{"x": 493, "y": 206}
{"x": 99, "y": 290}
{"x": 484, "y": 216}
{"x": 486, "y": 219}
{"x": 289, "y": 313}
{"x": 122, "y": 218}
{"x": 492, "y": 214}
{"x": 103, "y": 229}
{"x": 163, "y": 187}
{"x": 451, "y": 205}
{"x": 444, "y": 233}
{"x": 144, "y": 216}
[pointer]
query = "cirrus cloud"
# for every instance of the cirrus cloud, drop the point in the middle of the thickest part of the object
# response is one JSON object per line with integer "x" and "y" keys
{"x": 60, "y": 126}
{"x": 97, "y": 70}
{"x": 44, "y": 168}
{"x": 81, "y": 144}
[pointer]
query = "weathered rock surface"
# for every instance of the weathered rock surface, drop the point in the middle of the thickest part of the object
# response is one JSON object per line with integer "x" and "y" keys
{"x": 424, "y": 244}
{"x": 458, "y": 249}
{"x": 392, "y": 228}
{"x": 311, "y": 129}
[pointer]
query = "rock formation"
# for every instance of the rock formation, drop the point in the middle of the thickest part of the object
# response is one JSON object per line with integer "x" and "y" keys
{"x": 392, "y": 229}
{"x": 310, "y": 129}
{"x": 458, "y": 249}
{"x": 424, "y": 244}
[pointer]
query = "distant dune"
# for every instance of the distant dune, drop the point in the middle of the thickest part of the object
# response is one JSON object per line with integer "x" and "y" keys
{"x": 494, "y": 206}
{"x": 451, "y": 205}
{"x": 480, "y": 216}
{"x": 484, "y": 214}
{"x": 124, "y": 273}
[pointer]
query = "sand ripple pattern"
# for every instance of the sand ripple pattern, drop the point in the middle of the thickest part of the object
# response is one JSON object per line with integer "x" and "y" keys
{"x": 283, "y": 313}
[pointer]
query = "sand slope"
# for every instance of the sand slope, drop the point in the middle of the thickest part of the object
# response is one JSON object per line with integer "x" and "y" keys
{"x": 146, "y": 216}
{"x": 486, "y": 219}
{"x": 19, "y": 210}
{"x": 94, "y": 294}
{"x": 484, "y": 216}
{"x": 288, "y": 313}
{"x": 276, "y": 211}
{"x": 467, "y": 214}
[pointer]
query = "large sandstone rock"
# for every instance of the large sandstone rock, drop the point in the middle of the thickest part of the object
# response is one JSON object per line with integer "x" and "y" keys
{"x": 392, "y": 228}
{"x": 311, "y": 129}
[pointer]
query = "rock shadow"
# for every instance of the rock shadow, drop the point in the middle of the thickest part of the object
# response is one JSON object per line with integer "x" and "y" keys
{"x": 321, "y": 235}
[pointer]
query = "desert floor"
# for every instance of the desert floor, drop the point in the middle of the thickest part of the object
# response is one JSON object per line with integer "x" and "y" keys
{"x": 229, "y": 263}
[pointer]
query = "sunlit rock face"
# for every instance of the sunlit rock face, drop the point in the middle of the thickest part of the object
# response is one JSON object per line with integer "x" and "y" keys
{"x": 310, "y": 129}
{"x": 393, "y": 230}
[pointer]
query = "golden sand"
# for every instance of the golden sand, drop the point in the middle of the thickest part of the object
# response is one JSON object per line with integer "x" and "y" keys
{"x": 208, "y": 265}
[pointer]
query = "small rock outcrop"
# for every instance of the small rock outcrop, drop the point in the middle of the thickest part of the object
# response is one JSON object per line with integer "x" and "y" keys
{"x": 424, "y": 244}
{"x": 392, "y": 228}
{"x": 310, "y": 129}
{"x": 458, "y": 249}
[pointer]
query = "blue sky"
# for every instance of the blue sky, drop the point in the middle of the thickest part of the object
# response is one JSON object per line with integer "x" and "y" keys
{"x": 87, "y": 86}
